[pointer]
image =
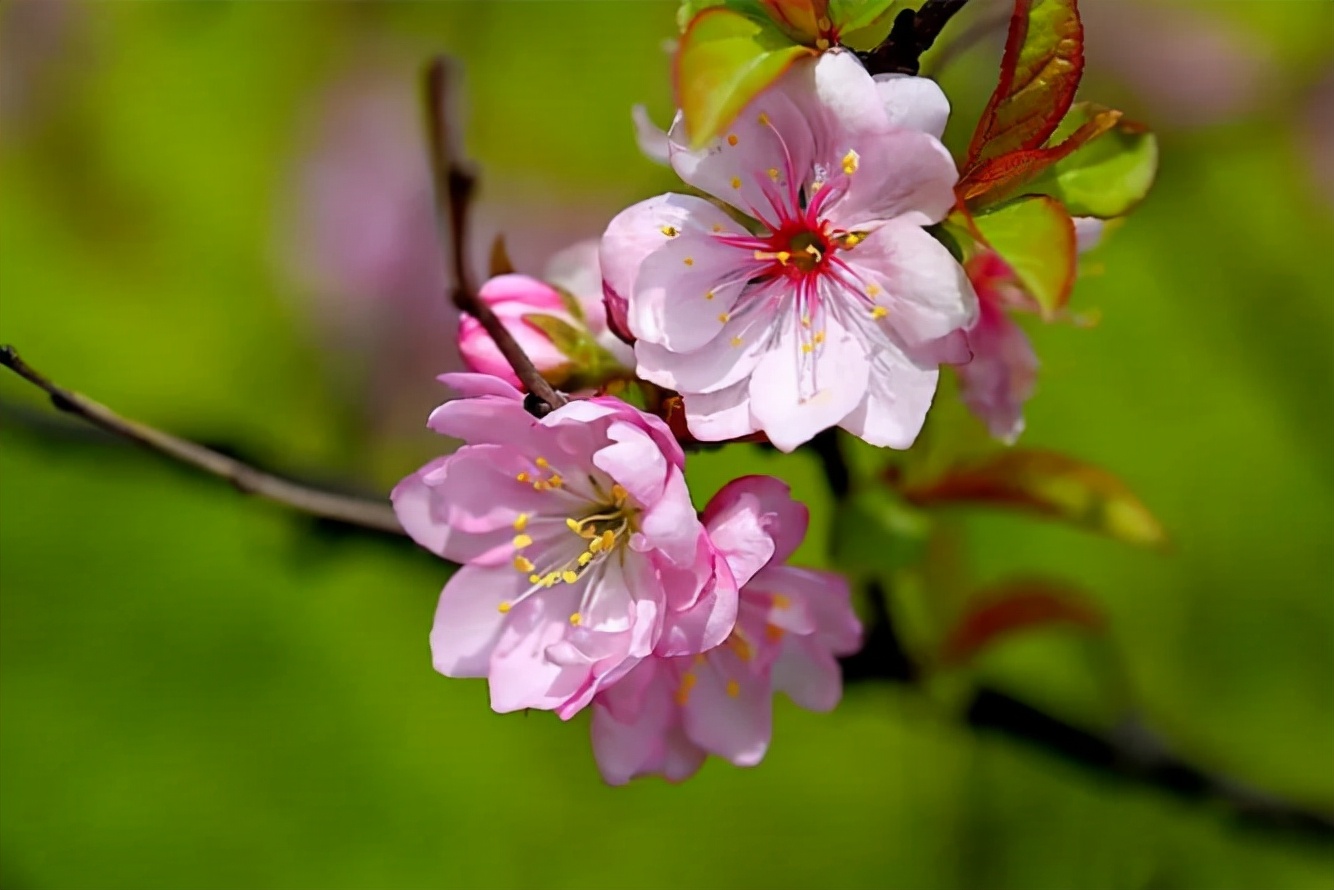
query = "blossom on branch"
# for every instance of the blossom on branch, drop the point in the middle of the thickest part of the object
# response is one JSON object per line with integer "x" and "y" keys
{"x": 668, "y": 714}
{"x": 830, "y": 306}
{"x": 581, "y": 551}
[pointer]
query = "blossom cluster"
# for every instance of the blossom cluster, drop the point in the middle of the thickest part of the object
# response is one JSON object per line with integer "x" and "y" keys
{"x": 813, "y": 278}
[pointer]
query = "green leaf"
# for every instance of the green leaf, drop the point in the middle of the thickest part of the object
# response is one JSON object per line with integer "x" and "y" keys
{"x": 1040, "y": 71}
{"x": 725, "y": 60}
{"x": 1018, "y": 606}
{"x": 864, "y": 24}
{"x": 1036, "y": 237}
{"x": 1049, "y": 484}
{"x": 690, "y": 8}
{"x": 1107, "y": 176}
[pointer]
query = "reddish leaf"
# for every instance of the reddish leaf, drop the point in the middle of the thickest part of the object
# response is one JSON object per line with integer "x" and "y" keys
{"x": 1049, "y": 484}
{"x": 1036, "y": 238}
{"x": 1003, "y": 176}
{"x": 1040, "y": 71}
{"x": 805, "y": 20}
{"x": 1017, "y": 607}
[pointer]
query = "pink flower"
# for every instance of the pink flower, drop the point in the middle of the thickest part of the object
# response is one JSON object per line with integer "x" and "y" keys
{"x": 516, "y": 299}
{"x": 1001, "y": 377}
{"x": 581, "y": 551}
{"x": 829, "y": 312}
{"x": 667, "y": 714}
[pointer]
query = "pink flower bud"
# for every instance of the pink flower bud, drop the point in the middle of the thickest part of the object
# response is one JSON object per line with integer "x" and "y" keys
{"x": 511, "y": 297}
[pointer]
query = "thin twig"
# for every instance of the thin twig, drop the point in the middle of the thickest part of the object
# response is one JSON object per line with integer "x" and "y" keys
{"x": 913, "y": 34}
{"x": 455, "y": 181}
{"x": 377, "y": 515}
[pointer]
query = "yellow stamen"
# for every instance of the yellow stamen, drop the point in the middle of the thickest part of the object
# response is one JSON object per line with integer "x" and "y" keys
{"x": 683, "y": 691}
{"x": 819, "y": 337}
{"x": 872, "y": 290}
{"x": 733, "y": 688}
{"x": 731, "y": 139}
{"x": 807, "y": 348}
{"x": 717, "y": 227}
{"x": 555, "y": 482}
{"x": 521, "y": 541}
{"x": 823, "y": 23}
{"x": 520, "y": 522}
{"x": 542, "y": 462}
{"x": 763, "y": 119}
{"x": 816, "y": 186}
{"x": 740, "y": 647}
{"x": 523, "y": 564}
{"x": 576, "y": 618}
{"x": 879, "y": 312}
{"x": 773, "y": 632}
{"x": 821, "y": 44}
{"x": 595, "y": 545}
{"x": 503, "y": 608}
{"x": 850, "y": 162}
{"x": 574, "y": 525}
{"x": 736, "y": 341}
{"x": 689, "y": 261}
{"x": 723, "y": 317}
{"x": 670, "y": 231}
{"x": 569, "y": 577}
{"x": 534, "y": 579}
{"x": 619, "y": 493}
{"x": 781, "y": 602}
{"x": 851, "y": 239}
{"x": 710, "y": 295}
{"x": 585, "y": 558}
{"x": 608, "y": 539}
{"x": 773, "y": 173}
{"x": 736, "y": 182}
{"x": 522, "y": 477}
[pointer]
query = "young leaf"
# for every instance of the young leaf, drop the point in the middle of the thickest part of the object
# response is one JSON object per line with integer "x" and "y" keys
{"x": 725, "y": 60}
{"x": 1036, "y": 237}
{"x": 863, "y": 24}
{"x": 1052, "y": 485}
{"x": 1005, "y": 176}
{"x": 691, "y": 8}
{"x": 1040, "y": 71}
{"x": 1016, "y": 607}
{"x": 1107, "y": 176}
{"x": 805, "y": 21}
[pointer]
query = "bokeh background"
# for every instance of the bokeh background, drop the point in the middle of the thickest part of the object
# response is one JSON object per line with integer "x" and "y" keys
{"x": 214, "y": 217}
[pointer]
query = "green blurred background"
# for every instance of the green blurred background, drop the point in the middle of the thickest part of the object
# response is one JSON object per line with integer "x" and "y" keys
{"x": 212, "y": 218}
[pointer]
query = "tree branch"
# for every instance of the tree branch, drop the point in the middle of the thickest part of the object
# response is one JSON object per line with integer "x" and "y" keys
{"x": 455, "y": 181}
{"x": 913, "y": 34}
{"x": 376, "y": 515}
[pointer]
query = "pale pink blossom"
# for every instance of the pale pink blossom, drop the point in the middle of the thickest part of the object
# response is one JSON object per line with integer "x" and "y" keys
{"x": 1001, "y": 377}
{"x": 827, "y": 309}
{"x": 667, "y": 714}
{"x": 517, "y": 299}
{"x": 581, "y": 551}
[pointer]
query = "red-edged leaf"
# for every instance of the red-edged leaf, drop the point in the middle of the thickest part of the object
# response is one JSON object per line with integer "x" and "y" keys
{"x": 1017, "y": 607}
{"x": 1040, "y": 71}
{"x": 1004, "y": 176}
{"x": 1036, "y": 238}
{"x": 726, "y": 59}
{"x": 1048, "y": 484}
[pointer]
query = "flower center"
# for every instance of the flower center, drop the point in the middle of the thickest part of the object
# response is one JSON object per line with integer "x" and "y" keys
{"x": 601, "y": 528}
{"x": 796, "y": 251}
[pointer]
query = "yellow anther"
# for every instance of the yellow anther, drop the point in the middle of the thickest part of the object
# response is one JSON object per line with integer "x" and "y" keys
{"x": 534, "y": 579}
{"x": 879, "y": 312}
{"x": 740, "y": 647}
{"x": 773, "y": 632}
{"x": 569, "y": 577}
{"x": 807, "y": 348}
{"x": 823, "y": 23}
{"x": 733, "y": 687}
{"x": 619, "y": 493}
{"x": 670, "y": 231}
{"x": 819, "y": 337}
{"x": 723, "y": 317}
{"x": 816, "y": 186}
{"x": 710, "y": 295}
{"x": 555, "y": 481}
{"x": 576, "y": 618}
{"x": 608, "y": 539}
{"x": 850, "y": 162}
{"x": 763, "y": 119}
{"x": 736, "y": 341}
{"x": 523, "y": 564}
{"x": 550, "y": 580}
{"x": 850, "y": 240}
{"x": 699, "y": 658}
{"x": 781, "y": 602}
{"x": 736, "y": 182}
{"x": 782, "y": 256}
{"x": 805, "y": 321}
{"x": 821, "y": 44}
{"x": 731, "y": 139}
{"x": 542, "y": 462}
{"x": 683, "y": 691}
{"x": 503, "y": 608}
{"x": 872, "y": 290}
{"x": 585, "y": 558}
{"x": 540, "y": 485}
{"x": 773, "y": 173}
{"x": 717, "y": 227}
{"x": 595, "y": 545}
{"x": 689, "y": 261}
{"x": 574, "y": 525}
{"x": 520, "y": 522}
{"x": 521, "y": 541}
{"x": 522, "y": 477}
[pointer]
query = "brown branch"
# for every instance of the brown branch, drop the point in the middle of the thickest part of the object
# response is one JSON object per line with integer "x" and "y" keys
{"x": 913, "y": 34}
{"x": 455, "y": 181}
{"x": 369, "y": 514}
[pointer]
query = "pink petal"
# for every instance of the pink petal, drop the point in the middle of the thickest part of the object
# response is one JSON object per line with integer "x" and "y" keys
{"x": 917, "y": 103}
{"x": 728, "y": 711}
{"x": 521, "y": 674}
{"x": 651, "y": 139}
{"x": 1088, "y": 232}
{"x": 794, "y": 395}
{"x": 702, "y": 617}
{"x": 473, "y": 385}
{"x": 924, "y": 290}
{"x": 808, "y": 674}
{"x": 894, "y": 408}
{"x": 900, "y": 173}
{"x": 685, "y": 290}
{"x": 1002, "y": 375}
{"x": 719, "y": 416}
{"x": 485, "y": 419}
{"x": 754, "y": 521}
{"x": 825, "y": 600}
{"x": 729, "y": 357}
{"x": 468, "y": 619}
{"x": 631, "y": 721}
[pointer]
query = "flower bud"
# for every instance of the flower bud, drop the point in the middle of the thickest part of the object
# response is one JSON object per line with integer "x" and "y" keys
{"x": 519, "y": 301}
